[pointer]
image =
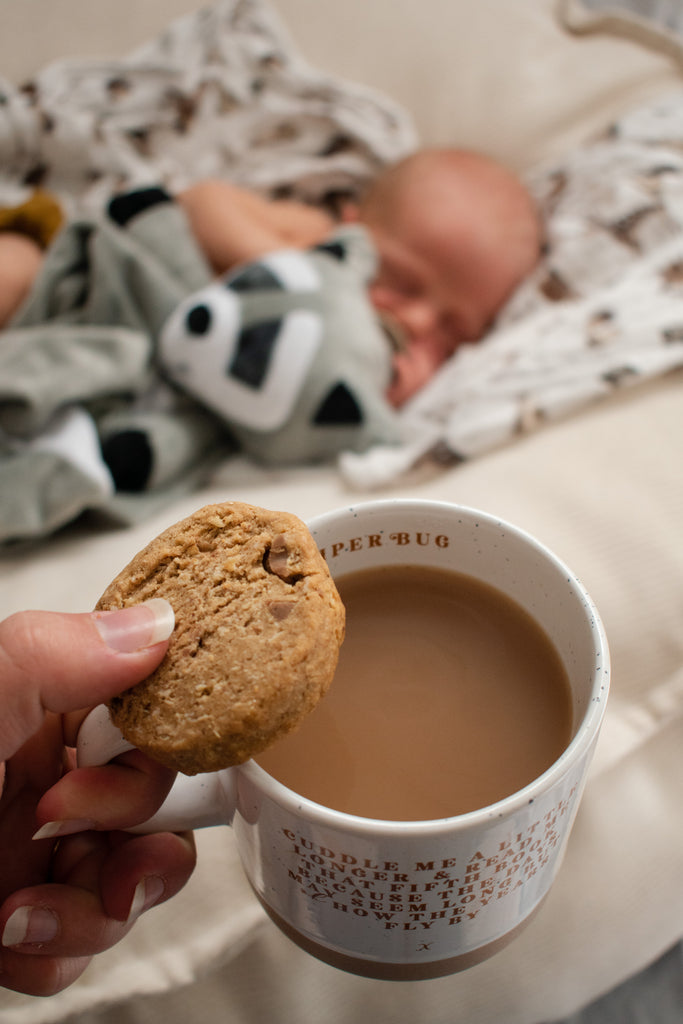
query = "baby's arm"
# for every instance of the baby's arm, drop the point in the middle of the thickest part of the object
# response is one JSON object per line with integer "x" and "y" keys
{"x": 233, "y": 225}
{"x": 20, "y": 260}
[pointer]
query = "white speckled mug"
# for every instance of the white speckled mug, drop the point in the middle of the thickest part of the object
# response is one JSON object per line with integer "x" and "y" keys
{"x": 411, "y": 899}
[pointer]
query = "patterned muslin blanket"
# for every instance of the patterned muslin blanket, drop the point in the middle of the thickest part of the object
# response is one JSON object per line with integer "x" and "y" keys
{"x": 221, "y": 92}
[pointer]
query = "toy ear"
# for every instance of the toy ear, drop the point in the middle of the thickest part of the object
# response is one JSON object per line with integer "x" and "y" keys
{"x": 338, "y": 409}
{"x": 254, "y": 277}
{"x": 351, "y": 246}
{"x": 124, "y": 207}
{"x": 336, "y": 249}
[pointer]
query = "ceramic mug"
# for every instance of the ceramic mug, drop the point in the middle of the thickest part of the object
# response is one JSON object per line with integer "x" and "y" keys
{"x": 467, "y": 883}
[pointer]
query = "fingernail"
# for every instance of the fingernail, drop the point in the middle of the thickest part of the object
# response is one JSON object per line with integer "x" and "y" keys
{"x": 147, "y": 892}
{"x": 54, "y": 829}
{"x": 132, "y": 629}
{"x": 30, "y": 924}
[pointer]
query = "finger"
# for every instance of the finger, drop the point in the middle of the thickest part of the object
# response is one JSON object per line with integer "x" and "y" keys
{"x": 71, "y": 723}
{"x": 39, "y": 975}
{"x": 106, "y": 895}
{"x": 35, "y": 768}
{"x": 78, "y": 859}
{"x": 58, "y": 920}
{"x": 51, "y": 661}
{"x": 131, "y": 873}
{"x": 145, "y": 871}
{"x": 112, "y": 796}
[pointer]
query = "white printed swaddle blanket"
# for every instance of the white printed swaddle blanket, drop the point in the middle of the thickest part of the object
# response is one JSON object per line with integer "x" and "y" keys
{"x": 223, "y": 91}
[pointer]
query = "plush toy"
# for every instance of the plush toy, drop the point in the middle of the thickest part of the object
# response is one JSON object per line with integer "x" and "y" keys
{"x": 116, "y": 388}
{"x": 289, "y": 352}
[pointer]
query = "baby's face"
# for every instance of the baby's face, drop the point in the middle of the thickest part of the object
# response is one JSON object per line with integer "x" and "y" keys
{"x": 443, "y": 276}
{"x": 430, "y": 313}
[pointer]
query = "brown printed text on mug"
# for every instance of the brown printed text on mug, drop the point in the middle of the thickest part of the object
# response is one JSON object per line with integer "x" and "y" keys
{"x": 395, "y": 538}
{"x": 426, "y": 893}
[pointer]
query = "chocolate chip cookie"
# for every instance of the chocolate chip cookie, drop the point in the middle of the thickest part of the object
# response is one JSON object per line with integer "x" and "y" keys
{"x": 259, "y": 624}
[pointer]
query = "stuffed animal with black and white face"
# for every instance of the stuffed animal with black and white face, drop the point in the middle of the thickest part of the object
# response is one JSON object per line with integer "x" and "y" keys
{"x": 289, "y": 352}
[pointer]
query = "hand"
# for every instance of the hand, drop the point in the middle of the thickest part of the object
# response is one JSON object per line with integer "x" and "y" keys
{"x": 414, "y": 367}
{"x": 233, "y": 225}
{"x": 79, "y": 888}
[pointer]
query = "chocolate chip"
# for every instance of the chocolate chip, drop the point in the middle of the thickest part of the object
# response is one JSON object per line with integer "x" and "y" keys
{"x": 276, "y": 560}
{"x": 280, "y": 609}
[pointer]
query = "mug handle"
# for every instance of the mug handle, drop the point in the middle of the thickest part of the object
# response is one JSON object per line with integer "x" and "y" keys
{"x": 197, "y": 801}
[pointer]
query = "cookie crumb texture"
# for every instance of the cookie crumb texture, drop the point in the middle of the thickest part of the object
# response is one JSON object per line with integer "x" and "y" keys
{"x": 259, "y": 624}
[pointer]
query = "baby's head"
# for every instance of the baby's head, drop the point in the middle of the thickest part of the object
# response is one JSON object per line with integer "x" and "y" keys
{"x": 455, "y": 232}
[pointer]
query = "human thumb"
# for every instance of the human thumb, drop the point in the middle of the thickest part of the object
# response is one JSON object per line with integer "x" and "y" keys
{"x": 52, "y": 661}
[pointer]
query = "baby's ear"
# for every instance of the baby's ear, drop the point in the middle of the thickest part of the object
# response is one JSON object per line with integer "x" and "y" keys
{"x": 350, "y": 213}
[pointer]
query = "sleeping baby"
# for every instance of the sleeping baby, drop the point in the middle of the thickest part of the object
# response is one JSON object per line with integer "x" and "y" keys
{"x": 173, "y": 324}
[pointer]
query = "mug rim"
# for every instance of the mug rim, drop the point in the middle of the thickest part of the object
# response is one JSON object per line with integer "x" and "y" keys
{"x": 585, "y": 735}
